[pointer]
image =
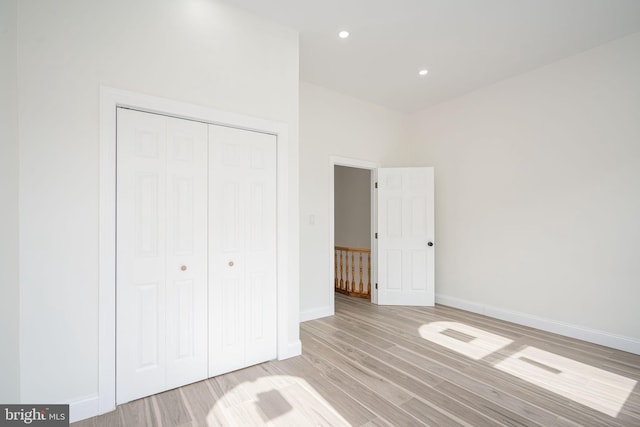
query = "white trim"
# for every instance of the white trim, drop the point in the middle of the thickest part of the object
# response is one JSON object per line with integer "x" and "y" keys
{"x": 293, "y": 349}
{"x": 374, "y": 241}
{"x": 316, "y": 313}
{"x": 107, "y": 271}
{"x": 607, "y": 339}
{"x": 109, "y": 100}
{"x": 84, "y": 408}
{"x": 352, "y": 163}
{"x": 360, "y": 164}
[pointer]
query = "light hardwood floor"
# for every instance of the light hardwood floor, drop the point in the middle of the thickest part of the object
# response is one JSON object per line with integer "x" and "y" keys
{"x": 370, "y": 366}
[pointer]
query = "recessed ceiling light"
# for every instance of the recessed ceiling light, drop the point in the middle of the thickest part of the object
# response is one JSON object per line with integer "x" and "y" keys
{"x": 343, "y": 34}
{"x": 423, "y": 72}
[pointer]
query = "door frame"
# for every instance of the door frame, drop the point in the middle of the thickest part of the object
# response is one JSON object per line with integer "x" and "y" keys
{"x": 358, "y": 164}
{"x": 110, "y": 99}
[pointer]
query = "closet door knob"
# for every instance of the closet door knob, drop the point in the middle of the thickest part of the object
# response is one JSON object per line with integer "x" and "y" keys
{"x": 183, "y": 268}
{"x": 430, "y": 244}
{"x": 230, "y": 263}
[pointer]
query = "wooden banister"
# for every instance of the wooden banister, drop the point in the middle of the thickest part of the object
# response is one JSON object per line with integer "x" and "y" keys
{"x": 350, "y": 280}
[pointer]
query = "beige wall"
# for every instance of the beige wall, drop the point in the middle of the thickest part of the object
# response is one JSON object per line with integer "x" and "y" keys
{"x": 9, "y": 288}
{"x": 538, "y": 191}
{"x": 199, "y": 52}
{"x": 332, "y": 124}
{"x": 352, "y": 207}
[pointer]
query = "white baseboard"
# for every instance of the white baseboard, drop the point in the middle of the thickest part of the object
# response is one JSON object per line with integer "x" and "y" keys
{"x": 89, "y": 406}
{"x": 315, "y": 313}
{"x": 293, "y": 349}
{"x": 84, "y": 408}
{"x": 619, "y": 342}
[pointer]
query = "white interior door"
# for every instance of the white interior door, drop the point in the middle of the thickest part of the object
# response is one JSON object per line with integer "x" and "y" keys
{"x": 161, "y": 253}
{"x": 242, "y": 263}
{"x": 406, "y": 231}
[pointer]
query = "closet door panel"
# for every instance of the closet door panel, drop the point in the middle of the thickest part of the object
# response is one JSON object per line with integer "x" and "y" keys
{"x": 186, "y": 255}
{"x": 242, "y": 280}
{"x": 261, "y": 250}
{"x": 161, "y": 253}
{"x": 141, "y": 246}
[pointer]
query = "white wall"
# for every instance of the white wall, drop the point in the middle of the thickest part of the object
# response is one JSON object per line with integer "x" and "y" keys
{"x": 196, "y": 51}
{"x": 352, "y": 207}
{"x": 538, "y": 191}
{"x": 332, "y": 124}
{"x": 9, "y": 302}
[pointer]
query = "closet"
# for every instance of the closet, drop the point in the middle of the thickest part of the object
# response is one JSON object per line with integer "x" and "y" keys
{"x": 196, "y": 251}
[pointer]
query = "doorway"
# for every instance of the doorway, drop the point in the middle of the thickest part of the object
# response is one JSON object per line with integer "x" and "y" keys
{"x": 352, "y": 231}
{"x": 365, "y": 167}
{"x": 402, "y": 233}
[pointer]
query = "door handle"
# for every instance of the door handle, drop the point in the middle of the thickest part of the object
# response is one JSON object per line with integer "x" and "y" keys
{"x": 430, "y": 244}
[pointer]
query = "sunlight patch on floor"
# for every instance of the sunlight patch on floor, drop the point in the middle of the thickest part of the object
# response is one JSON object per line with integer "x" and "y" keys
{"x": 590, "y": 386}
{"x": 478, "y": 345}
{"x": 596, "y": 388}
{"x": 277, "y": 400}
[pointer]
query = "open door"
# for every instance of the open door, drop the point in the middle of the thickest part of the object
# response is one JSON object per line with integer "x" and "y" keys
{"x": 406, "y": 231}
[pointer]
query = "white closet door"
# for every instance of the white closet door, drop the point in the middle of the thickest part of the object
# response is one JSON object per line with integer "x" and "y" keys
{"x": 161, "y": 253}
{"x": 242, "y": 269}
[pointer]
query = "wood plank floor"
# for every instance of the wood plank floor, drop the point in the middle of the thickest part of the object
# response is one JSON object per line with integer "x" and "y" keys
{"x": 370, "y": 366}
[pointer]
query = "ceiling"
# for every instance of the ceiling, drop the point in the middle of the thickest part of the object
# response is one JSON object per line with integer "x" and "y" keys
{"x": 465, "y": 44}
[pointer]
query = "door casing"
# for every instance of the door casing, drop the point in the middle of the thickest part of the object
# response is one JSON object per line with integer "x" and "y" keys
{"x": 110, "y": 99}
